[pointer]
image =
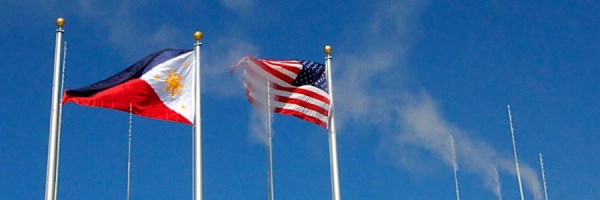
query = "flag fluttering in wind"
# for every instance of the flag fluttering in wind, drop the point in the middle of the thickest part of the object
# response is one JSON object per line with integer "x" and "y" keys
{"x": 290, "y": 87}
{"x": 159, "y": 86}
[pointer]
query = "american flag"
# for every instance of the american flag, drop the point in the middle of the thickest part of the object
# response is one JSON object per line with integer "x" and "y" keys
{"x": 289, "y": 87}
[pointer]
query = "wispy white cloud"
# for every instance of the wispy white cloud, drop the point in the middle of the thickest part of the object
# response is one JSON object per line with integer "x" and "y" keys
{"x": 125, "y": 30}
{"x": 259, "y": 125}
{"x": 372, "y": 77}
{"x": 227, "y": 50}
{"x": 424, "y": 126}
{"x": 239, "y": 6}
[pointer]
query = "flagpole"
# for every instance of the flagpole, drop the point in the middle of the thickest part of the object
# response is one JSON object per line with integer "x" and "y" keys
{"x": 498, "y": 186}
{"x": 335, "y": 180}
{"x": 512, "y": 133}
{"x": 51, "y": 167}
{"x": 129, "y": 151}
{"x": 270, "y": 138}
{"x": 62, "y": 84}
{"x": 543, "y": 177}
{"x": 270, "y": 174}
{"x": 455, "y": 167}
{"x": 197, "y": 120}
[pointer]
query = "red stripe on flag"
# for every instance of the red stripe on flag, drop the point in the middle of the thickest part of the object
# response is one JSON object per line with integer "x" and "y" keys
{"x": 302, "y": 103}
{"x": 302, "y": 91}
{"x": 272, "y": 71}
{"x": 301, "y": 116}
{"x": 143, "y": 98}
{"x": 287, "y": 66}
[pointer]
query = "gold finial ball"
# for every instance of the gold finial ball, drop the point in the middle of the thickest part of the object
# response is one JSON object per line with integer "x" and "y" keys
{"x": 327, "y": 49}
{"x": 60, "y": 22}
{"x": 198, "y": 35}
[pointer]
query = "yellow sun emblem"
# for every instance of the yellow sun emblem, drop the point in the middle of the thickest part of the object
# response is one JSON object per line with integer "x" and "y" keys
{"x": 173, "y": 83}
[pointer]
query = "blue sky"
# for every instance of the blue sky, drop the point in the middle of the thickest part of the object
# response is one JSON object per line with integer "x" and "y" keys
{"x": 407, "y": 75}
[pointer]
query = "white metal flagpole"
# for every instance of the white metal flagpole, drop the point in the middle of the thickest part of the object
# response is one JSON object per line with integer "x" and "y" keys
{"x": 197, "y": 120}
{"x": 512, "y": 133}
{"x": 51, "y": 167}
{"x": 62, "y": 84}
{"x": 543, "y": 177}
{"x": 270, "y": 145}
{"x": 454, "y": 166}
{"x": 335, "y": 180}
{"x": 129, "y": 150}
{"x": 498, "y": 185}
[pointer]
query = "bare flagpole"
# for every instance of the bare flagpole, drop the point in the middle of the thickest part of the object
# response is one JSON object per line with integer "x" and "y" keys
{"x": 62, "y": 84}
{"x": 335, "y": 180}
{"x": 512, "y": 133}
{"x": 197, "y": 120}
{"x": 129, "y": 150}
{"x": 498, "y": 186}
{"x": 270, "y": 145}
{"x": 543, "y": 177}
{"x": 454, "y": 166}
{"x": 51, "y": 166}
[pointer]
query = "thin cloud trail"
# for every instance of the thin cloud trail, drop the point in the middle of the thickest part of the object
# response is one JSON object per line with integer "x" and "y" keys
{"x": 243, "y": 7}
{"x": 371, "y": 77}
{"x": 258, "y": 125}
{"x": 424, "y": 127}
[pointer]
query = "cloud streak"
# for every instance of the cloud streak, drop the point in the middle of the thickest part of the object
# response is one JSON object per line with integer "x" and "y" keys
{"x": 372, "y": 78}
{"x": 125, "y": 30}
{"x": 240, "y": 6}
{"x": 424, "y": 127}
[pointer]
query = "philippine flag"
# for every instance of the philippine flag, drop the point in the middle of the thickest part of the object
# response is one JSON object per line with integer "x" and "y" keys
{"x": 159, "y": 86}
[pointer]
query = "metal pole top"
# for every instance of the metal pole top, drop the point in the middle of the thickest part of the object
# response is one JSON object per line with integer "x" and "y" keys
{"x": 327, "y": 49}
{"x": 198, "y": 35}
{"x": 60, "y": 22}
